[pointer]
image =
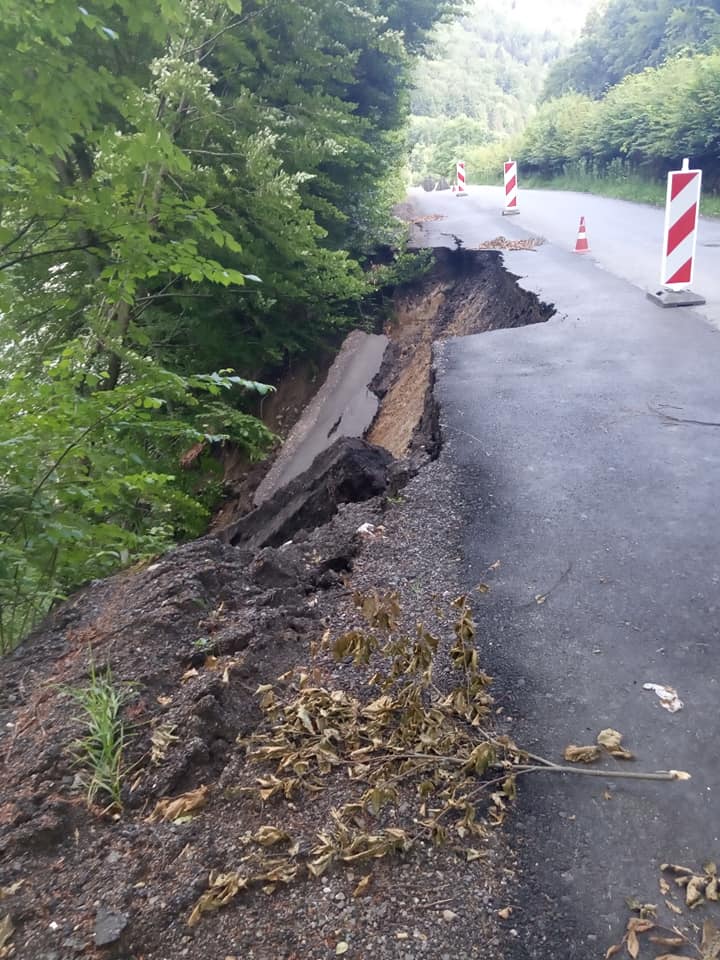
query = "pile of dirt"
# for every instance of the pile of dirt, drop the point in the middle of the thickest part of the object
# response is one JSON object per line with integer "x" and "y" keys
{"x": 189, "y": 639}
{"x": 502, "y": 243}
{"x": 465, "y": 292}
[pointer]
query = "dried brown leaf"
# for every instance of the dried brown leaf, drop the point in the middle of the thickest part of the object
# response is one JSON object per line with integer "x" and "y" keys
{"x": 160, "y": 740}
{"x": 613, "y": 950}
{"x": 640, "y": 924}
{"x": 575, "y": 754}
{"x": 278, "y": 871}
{"x": 664, "y": 886}
{"x": 318, "y": 866}
{"x": 362, "y": 887}
{"x": 611, "y": 740}
{"x": 710, "y": 868}
{"x": 710, "y": 940}
{"x": 667, "y": 941}
{"x": 6, "y": 930}
{"x": 11, "y": 889}
{"x": 505, "y": 913}
{"x": 673, "y": 907}
{"x": 222, "y": 888}
{"x": 695, "y": 892}
{"x": 172, "y": 808}
{"x": 712, "y": 891}
{"x": 673, "y": 956}
{"x": 633, "y": 945}
{"x": 267, "y": 836}
{"x": 676, "y": 869}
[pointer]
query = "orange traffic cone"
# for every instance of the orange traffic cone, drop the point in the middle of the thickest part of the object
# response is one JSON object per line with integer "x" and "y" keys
{"x": 581, "y": 244}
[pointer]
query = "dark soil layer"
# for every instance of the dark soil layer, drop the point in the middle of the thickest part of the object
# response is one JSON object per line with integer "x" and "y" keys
{"x": 86, "y": 872}
{"x": 254, "y": 616}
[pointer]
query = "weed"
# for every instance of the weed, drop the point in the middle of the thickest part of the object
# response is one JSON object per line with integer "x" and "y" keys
{"x": 99, "y": 752}
{"x": 203, "y": 645}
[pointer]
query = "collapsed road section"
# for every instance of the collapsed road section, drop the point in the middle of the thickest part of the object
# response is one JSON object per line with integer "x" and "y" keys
{"x": 187, "y": 641}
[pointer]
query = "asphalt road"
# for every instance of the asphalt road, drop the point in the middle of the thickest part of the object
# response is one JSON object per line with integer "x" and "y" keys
{"x": 571, "y": 477}
{"x": 344, "y": 406}
{"x": 625, "y": 238}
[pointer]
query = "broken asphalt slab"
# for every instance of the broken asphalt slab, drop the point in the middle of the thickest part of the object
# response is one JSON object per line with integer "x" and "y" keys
{"x": 343, "y": 407}
{"x": 571, "y": 471}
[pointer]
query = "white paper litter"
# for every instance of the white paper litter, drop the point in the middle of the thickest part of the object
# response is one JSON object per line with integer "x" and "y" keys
{"x": 668, "y": 696}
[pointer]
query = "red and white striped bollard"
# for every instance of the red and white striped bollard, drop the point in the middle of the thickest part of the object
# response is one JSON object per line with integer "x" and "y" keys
{"x": 511, "y": 189}
{"x": 682, "y": 213}
{"x": 461, "y": 191}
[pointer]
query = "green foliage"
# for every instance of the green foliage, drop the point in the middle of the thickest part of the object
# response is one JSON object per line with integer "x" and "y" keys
{"x": 481, "y": 80}
{"x": 405, "y": 268}
{"x": 185, "y": 186}
{"x": 90, "y": 477}
{"x": 485, "y": 163}
{"x": 680, "y": 110}
{"x": 99, "y": 750}
{"x": 488, "y": 66}
{"x": 618, "y": 181}
{"x": 437, "y": 144}
{"x": 627, "y": 36}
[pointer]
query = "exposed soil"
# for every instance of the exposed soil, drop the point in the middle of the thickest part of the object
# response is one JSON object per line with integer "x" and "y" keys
{"x": 85, "y": 871}
{"x": 190, "y": 638}
{"x": 465, "y": 292}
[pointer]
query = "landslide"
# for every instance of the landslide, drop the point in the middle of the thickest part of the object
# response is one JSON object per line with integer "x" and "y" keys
{"x": 465, "y": 292}
{"x": 190, "y": 638}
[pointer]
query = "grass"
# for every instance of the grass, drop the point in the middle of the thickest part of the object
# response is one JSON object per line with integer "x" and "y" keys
{"x": 99, "y": 752}
{"x": 627, "y": 187}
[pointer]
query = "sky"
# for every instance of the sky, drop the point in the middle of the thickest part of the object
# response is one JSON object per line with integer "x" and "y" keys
{"x": 561, "y": 16}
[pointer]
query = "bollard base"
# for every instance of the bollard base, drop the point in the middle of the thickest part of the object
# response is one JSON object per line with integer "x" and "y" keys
{"x": 511, "y": 213}
{"x": 676, "y": 298}
{"x": 462, "y": 193}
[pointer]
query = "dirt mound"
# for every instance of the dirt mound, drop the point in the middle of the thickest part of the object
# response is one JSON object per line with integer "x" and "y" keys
{"x": 188, "y": 639}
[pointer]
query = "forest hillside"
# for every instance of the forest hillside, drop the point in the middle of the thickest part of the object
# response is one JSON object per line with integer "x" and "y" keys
{"x": 635, "y": 93}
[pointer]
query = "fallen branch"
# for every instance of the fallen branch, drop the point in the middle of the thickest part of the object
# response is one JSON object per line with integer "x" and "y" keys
{"x": 608, "y": 774}
{"x": 671, "y": 419}
{"x": 540, "y": 599}
{"x": 542, "y": 766}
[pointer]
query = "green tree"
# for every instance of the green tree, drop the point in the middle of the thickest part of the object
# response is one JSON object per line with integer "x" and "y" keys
{"x": 627, "y": 36}
{"x": 187, "y": 186}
